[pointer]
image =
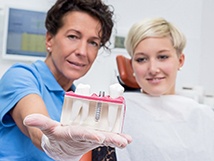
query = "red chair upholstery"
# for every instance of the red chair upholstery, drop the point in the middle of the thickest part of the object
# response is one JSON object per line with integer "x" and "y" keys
{"x": 87, "y": 156}
{"x": 126, "y": 72}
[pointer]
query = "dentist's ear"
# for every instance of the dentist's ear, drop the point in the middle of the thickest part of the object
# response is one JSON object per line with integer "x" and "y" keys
{"x": 48, "y": 42}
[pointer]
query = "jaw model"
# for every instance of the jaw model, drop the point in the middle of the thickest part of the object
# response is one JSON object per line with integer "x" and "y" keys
{"x": 115, "y": 91}
{"x": 80, "y": 105}
{"x": 96, "y": 111}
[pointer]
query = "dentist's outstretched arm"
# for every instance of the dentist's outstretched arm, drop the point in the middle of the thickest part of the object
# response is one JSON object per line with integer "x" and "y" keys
{"x": 71, "y": 142}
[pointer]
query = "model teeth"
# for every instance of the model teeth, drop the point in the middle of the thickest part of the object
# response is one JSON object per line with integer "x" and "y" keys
{"x": 81, "y": 89}
{"x": 85, "y": 111}
{"x": 104, "y": 113}
{"x": 116, "y": 90}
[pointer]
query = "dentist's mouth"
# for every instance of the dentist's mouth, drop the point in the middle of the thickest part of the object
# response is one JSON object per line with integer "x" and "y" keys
{"x": 77, "y": 64}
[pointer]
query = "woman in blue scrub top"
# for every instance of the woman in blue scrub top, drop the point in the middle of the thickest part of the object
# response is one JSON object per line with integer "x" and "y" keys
{"x": 76, "y": 30}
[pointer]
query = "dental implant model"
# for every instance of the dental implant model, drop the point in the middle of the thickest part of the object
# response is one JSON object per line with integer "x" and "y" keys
{"x": 99, "y": 112}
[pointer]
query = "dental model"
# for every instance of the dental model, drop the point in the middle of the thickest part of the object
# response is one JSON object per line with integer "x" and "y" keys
{"x": 81, "y": 89}
{"x": 95, "y": 111}
{"x": 99, "y": 107}
{"x": 69, "y": 115}
{"x": 115, "y": 91}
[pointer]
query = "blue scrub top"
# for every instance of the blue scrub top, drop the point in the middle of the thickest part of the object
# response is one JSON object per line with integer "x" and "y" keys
{"x": 19, "y": 81}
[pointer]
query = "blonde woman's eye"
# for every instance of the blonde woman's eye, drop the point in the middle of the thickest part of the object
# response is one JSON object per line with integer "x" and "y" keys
{"x": 162, "y": 57}
{"x": 141, "y": 60}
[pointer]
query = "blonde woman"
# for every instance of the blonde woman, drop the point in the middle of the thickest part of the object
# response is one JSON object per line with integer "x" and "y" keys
{"x": 164, "y": 126}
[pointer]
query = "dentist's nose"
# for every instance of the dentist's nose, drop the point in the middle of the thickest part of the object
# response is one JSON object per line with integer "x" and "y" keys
{"x": 81, "y": 48}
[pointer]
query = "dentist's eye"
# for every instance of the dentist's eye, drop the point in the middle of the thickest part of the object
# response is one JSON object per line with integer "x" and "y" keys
{"x": 72, "y": 37}
{"x": 93, "y": 43}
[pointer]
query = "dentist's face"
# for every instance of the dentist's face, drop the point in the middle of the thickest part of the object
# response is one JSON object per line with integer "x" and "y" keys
{"x": 74, "y": 48}
{"x": 155, "y": 64}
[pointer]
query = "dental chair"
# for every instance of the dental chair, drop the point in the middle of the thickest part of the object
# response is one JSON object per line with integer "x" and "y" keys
{"x": 87, "y": 156}
{"x": 125, "y": 77}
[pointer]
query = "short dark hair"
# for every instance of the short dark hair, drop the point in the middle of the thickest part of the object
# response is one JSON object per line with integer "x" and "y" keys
{"x": 95, "y": 8}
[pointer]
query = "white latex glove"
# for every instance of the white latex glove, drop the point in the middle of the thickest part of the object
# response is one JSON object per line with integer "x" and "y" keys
{"x": 71, "y": 142}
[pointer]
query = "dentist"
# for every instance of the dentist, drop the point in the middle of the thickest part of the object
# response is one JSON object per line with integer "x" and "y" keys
{"x": 31, "y": 96}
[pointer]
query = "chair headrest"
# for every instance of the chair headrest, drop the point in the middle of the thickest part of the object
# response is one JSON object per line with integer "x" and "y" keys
{"x": 126, "y": 72}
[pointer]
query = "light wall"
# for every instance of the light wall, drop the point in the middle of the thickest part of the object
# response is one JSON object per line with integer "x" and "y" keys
{"x": 194, "y": 18}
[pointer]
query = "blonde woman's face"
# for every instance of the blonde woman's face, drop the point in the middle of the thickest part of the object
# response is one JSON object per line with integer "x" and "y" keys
{"x": 155, "y": 64}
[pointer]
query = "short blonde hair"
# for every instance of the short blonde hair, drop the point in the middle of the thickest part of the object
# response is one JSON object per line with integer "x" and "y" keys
{"x": 155, "y": 27}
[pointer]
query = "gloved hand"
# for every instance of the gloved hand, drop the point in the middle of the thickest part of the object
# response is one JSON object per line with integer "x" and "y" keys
{"x": 71, "y": 142}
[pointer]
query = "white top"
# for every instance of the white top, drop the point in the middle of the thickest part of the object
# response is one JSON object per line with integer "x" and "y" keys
{"x": 167, "y": 128}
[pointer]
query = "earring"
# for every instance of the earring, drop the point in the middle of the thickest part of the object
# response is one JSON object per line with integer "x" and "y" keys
{"x": 180, "y": 68}
{"x": 133, "y": 74}
{"x": 48, "y": 49}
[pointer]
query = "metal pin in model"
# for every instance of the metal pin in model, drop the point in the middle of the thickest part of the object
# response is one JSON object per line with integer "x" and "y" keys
{"x": 99, "y": 107}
